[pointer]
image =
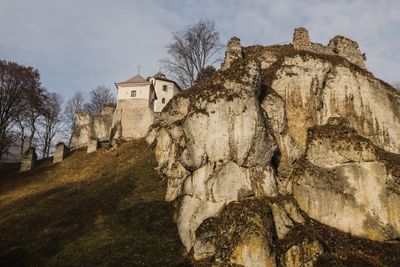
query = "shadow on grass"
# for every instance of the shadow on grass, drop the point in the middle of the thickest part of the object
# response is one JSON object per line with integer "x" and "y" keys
{"x": 104, "y": 221}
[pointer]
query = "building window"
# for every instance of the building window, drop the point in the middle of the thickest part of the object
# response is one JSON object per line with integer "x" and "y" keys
{"x": 164, "y": 88}
{"x": 163, "y": 100}
{"x": 133, "y": 93}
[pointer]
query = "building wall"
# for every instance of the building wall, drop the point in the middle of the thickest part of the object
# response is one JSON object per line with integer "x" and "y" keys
{"x": 142, "y": 91}
{"x": 167, "y": 95}
{"x": 132, "y": 118}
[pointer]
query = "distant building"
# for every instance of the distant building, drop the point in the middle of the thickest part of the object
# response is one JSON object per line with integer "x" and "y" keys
{"x": 138, "y": 99}
{"x": 138, "y": 91}
{"x": 155, "y": 91}
{"x": 164, "y": 88}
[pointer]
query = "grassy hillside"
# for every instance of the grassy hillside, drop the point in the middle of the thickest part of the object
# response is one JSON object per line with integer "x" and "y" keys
{"x": 102, "y": 209}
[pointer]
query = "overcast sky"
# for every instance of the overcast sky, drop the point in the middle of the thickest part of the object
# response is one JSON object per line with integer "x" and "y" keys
{"x": 79, "y": 44}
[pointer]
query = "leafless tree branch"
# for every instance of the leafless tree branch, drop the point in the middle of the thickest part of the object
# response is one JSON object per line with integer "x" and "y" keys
{"x": 191, "y": 50}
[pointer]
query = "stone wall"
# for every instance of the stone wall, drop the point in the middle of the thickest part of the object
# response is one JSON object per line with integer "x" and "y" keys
{"x": 59, "y": 153}
{"x": 348, "y": 49}
{"x": 339, "y": 45}
{"x": 83, "y": 129}
{"x": 233, "y": 52}
{"x": 29, "y": 160}
{"x": 92, "y": 145}
{"x": 88, "y": 127}
{"x": 129, "y": 120}
{"x": 132, "y": 119}
{"x": 103, "y": 123}
{"x": 301, "y": 39}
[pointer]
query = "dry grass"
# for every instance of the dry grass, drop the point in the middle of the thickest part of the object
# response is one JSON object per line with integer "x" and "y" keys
{"x": 103, "y": 209}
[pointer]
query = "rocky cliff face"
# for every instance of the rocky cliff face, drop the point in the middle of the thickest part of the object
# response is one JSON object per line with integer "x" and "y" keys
{"x": 288, "y": 157}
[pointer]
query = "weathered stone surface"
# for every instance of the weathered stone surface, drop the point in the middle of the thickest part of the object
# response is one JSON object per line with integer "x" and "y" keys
{"x": 347, "y": 48}
{"x": 29, "y": 160}
{"x": 339, "y": 45}
{"x": 301, "y": 39}
{"x": 219, "y": 153}
{"x": 303, "y": 255}
{"x": 103, "y": 123}
{"x": 313, "y": 91}
{"x": 132, "y": 118}
{"x": 253, "y": 251}
{"x": 88, "y": 127}
{"x": 59, "y": 153}
{"x": 233, "y": 52}
{"x": 242, "y": 234}
{"x": 304, "y": 126}
{"x": 92, "y": 145}
{"x": 344, "y": 183}
{"x": 286, "y": 216}
{"x": 83, "y": 129}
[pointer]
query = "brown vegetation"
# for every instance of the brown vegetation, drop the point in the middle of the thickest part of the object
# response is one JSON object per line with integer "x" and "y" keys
{"x": 105, "y": 209}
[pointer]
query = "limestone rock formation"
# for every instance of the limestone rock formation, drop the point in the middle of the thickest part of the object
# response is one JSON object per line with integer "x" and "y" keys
{"x": 285, "y": 149}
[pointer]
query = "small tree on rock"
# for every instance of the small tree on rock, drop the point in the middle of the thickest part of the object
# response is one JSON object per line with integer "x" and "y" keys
{"x": 205, "y": 73}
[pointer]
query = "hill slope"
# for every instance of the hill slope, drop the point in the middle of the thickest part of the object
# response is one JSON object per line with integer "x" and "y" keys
{"x": 105, "y": 208}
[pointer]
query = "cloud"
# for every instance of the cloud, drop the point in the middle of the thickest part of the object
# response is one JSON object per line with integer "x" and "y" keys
{"x": 78, "y": 45}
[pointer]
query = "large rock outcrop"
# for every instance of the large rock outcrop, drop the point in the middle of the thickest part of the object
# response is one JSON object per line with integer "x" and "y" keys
{"x": 215, "y": 146}
{"x": 285, "y": 148}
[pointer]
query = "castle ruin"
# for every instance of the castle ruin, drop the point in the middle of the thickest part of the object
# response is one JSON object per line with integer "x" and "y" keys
{"x": 140, "y": 99}
{"x": 233, "y": 52}
{"x": 88, "y": 127}
{"x": 29, "y": 160}
{"x": 60, "y": 152}
{"x": 339, "y": 46}
{"x": 138, "y": 102}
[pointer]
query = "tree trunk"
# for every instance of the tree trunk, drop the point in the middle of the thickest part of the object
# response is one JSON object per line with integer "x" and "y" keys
{"x": 33, "y": 131}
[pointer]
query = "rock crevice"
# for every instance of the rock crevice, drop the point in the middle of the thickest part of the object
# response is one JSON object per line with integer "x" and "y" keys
{"x": 283, "y": 139}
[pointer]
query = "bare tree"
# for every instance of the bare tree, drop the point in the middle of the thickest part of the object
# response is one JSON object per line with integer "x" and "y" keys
{"x": 74, "y": 103}
{"x": 27, "y": 119}
{"x": 191, "y": 50}
{"x": 99, "y": 97}
{"x": 51, "y": 124}
{"x": 17, "y": 85}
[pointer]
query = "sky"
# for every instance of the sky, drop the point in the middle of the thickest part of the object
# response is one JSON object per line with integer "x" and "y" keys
{"x": 80, "y": 44}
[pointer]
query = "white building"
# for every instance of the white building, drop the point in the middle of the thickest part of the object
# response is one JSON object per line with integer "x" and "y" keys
{"x": 156, "y": 91}
{"x": 164, "y": 88}
{"x": 137, "y": 101}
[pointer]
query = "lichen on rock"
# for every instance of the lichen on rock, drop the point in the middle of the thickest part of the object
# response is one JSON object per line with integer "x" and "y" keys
{"x": 285, "y": 139}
